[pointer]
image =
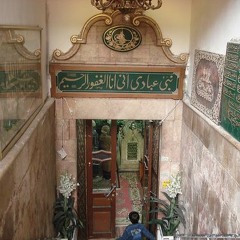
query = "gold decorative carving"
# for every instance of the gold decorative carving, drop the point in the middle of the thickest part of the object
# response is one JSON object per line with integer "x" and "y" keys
{"x": 77, "y": 40}
{"x": 108, "y": 17}
{"x": 164, "y": 43}
{"x": 81, "y": 38}
{"x": 36, "y": 55}
{"x": 14, "y": 38}
{"x": 126, "y": 6}
{"x": 59, "y": 55}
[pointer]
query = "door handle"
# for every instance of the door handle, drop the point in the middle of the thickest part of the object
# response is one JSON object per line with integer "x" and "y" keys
{"x": 146, "y": 161}
{"x": 153, "y": 194}
{"x": 114, "y": 186}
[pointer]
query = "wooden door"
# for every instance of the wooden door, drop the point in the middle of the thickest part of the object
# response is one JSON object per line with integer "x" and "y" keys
{"x": 101, "y": 179}
{"x": 151, "y": 166}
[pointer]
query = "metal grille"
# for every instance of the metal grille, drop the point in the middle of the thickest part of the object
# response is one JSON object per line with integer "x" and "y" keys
{"x": 155, "y": 164}
{"x": 81, "y": 176}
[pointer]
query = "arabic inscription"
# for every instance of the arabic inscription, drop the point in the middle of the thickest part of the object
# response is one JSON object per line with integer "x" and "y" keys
{"x": 120, "y": 82}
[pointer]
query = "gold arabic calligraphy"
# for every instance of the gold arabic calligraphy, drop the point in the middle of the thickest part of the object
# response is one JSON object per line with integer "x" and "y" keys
{"x": 117, "y": 82}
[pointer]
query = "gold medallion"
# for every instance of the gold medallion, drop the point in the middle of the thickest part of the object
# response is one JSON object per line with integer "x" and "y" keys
{"x": 122, "y": 38}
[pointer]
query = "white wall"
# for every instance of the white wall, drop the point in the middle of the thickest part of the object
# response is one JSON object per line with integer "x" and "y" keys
{"x": 67, "y": 17}
{"x": 213, "y": 24}
{"x": 174, "y": 20}
{"x": 22, "y": 12}
{"x": 30, "y": 13}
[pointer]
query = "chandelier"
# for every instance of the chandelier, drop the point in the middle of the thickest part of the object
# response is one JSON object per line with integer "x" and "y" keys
{"x": 126, "y": 6}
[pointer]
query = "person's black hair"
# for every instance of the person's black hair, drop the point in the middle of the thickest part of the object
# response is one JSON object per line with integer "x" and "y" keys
{"x": 134, "y": 217}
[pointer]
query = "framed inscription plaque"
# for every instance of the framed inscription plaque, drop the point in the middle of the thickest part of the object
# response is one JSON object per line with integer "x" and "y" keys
{"x": 207, "y": 83}
{"x": 230, "y": 110}
{"x": 117, "y": 81}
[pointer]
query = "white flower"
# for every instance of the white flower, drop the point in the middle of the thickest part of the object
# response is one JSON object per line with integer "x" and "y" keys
{"x": 174, "y": 187}
{"x": 67, "y": 185}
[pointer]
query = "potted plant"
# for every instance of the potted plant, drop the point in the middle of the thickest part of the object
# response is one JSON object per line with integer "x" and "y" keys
{"x": 169, "y": 209}
{"x": 65, "y": 219}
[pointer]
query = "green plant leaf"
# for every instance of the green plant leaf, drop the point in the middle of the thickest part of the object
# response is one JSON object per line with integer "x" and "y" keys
{"x": 172, "y": 213}
{"x": 65, "y": 218}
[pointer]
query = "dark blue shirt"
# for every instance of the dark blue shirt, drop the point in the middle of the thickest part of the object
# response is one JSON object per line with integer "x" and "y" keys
{"x": 136, "y": 232}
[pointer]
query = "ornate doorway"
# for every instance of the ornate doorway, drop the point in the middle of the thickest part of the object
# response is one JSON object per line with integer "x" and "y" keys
{"x": 97, "y": 173}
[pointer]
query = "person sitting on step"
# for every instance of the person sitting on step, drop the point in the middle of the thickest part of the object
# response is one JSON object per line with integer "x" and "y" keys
{"x": 136, "y": 230}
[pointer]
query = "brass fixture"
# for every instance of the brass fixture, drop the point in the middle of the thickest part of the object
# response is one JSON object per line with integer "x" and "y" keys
{"x": 127, "y": 6}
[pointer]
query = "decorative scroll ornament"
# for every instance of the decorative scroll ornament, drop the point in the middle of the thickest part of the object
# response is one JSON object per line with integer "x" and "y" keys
{"x": 164, "y": 44}
{"x": 127, "y": 6}
{"x": 121, "y": 38}
{"x": 18, "y": 41}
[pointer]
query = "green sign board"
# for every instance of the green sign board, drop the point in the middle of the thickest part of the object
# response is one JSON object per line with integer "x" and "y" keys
{"x": 117, "y": 82}
{"x": 19, "y": 81}
{"x": 230, "y": 110}
{"x": 230, "y": 118}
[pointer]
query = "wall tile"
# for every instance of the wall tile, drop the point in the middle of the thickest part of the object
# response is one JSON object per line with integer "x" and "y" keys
{"x": 208, "y": 163}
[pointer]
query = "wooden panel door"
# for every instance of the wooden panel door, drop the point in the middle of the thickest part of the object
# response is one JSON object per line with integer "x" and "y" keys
{"x": 101, "y": 179}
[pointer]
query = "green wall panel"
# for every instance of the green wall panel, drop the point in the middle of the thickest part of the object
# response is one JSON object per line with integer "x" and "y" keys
{"x": 230, "y": 110}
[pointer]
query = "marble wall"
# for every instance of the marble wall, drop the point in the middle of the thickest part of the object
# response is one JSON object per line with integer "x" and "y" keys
{"x": 28, "y": 181}
{"x": 210, "y": 162}
{"x": 70, "y": 109}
